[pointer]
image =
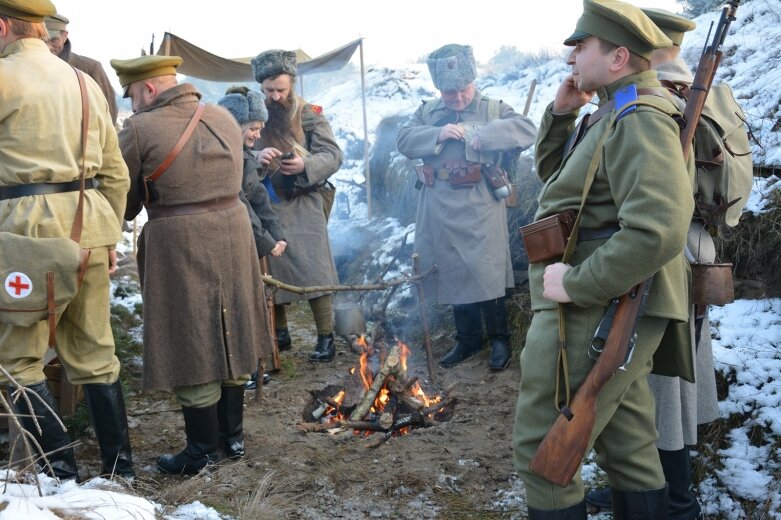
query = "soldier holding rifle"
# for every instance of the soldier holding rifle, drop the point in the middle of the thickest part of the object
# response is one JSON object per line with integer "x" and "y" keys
{"x": 631, "y": 226}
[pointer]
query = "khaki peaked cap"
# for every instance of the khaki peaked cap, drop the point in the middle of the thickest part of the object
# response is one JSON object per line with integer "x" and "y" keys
{"x": 621, "y": 24}
{"x": 672, "y": 25}
{"x": 145, "y": 67}
{"x": 56, "y": 24}
{"x": 28, "y": 10}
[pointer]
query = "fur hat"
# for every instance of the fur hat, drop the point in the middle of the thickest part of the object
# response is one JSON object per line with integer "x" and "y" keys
{"x": 272, "y": 63}
{"x": 245, "y": 105}
{"x": 452, "y": 67}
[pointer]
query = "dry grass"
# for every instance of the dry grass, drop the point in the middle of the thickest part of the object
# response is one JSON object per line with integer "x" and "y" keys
{"x": 752, "y": 246}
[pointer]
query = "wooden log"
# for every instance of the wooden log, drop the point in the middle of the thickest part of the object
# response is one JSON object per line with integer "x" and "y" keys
{"x": 386, "y": 417}
{"x": 389, "y": 367}
{"x": 316, "y": 427}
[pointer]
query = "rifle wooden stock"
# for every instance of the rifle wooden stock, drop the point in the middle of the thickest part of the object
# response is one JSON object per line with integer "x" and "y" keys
{"x": 703, "y": 78}
{"x": 564, "y": 446}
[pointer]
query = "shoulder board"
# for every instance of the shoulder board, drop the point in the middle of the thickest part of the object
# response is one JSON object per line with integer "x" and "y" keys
{"x": 316, "y": 109}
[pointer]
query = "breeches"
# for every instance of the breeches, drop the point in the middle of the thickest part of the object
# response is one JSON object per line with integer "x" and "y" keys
{"x": 85, "y": 344}
{"x": 201, "y": 396}
{"x": 624, "y": 435}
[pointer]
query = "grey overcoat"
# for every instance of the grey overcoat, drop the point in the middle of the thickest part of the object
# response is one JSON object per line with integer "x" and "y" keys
{"x": 200, "y": 275}
{"x": 463, "y": 230}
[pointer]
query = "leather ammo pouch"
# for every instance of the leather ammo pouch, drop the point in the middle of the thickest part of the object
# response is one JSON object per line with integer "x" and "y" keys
{"x": 712, "y": 284}
{"x": 547, "y": 238}
{"x": 464, "y": 174}
{"x": 425, "y": 174}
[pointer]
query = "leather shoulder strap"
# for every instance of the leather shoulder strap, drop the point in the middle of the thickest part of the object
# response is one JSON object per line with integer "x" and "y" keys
{"x": 78, "y": 218}
{"x": 171, "y": 157}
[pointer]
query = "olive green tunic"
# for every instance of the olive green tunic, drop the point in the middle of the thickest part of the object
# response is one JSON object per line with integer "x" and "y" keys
{"x": 644, "y": 186}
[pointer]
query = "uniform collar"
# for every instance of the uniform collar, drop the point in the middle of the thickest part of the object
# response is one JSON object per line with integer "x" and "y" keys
{"x": 25, "y": 44}
{"x": 641, "y": 79}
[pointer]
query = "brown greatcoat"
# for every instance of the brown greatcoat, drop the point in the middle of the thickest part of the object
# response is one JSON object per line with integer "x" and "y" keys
{"x": 200, "y": 276}
{"x": 93, "y": 69}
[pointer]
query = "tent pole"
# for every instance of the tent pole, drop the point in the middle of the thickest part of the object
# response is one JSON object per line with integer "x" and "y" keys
{"x": 301, "y": 85}
{"x": 366, "y": 169}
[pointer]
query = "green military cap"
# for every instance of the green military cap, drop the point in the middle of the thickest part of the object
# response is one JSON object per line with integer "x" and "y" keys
{"x": 621, "y": 24}
{"x": 672, "y": 25}
{"x": 27, "y": 10}
{"x": 144, "y": 67}
{"x": 55, "y": 24}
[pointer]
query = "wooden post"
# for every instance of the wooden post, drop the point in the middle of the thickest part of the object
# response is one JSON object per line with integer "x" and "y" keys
{"x": 529, "y": 97}
{"x": 423, "y": 316}
{"x": 366, "y": 169}
{"x": 275, "y": 362}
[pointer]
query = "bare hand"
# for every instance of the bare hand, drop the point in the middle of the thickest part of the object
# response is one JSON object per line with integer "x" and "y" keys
{"x": 279, "y": 248}
{"x": 568, "y": 97}
{"x": 266, "y": 155}
{"x": 475, "y": 142}
{"x": 292, "y": 166}
{"x": 112, "y": 261}
{"x": 451, "y": 131}
{"x": 553, "y": 283}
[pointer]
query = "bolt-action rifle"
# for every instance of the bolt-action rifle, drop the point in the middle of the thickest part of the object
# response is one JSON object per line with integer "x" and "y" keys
{"x": 561, "y": 451}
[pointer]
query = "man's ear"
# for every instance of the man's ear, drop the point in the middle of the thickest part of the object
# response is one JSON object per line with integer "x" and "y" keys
{"x": 620, "y": 59}
{"x": 64, "y": 36}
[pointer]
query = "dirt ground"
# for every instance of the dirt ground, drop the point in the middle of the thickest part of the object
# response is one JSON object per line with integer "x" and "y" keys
{"x": 459, "y": 469}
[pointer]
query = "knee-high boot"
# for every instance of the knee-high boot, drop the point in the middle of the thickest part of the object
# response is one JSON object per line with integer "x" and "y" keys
{"x": 53, "y": 439}
{"x": 495, "y": 316}
{"x": 469, "y": 334}
{"x": 640, "y": 505}
{"x": 678, "y": 473}
{"x": 576, "y": 512}
{"x": 200, "y": 426}
{"x": 106, "y": 406}
{"x": 230, "y": 418}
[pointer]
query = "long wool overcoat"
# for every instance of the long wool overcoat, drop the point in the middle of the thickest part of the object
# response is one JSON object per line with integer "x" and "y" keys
{"x": 681, "y": 405}
{"x": 463, "y": 230}
{"x": 307, "y": 260}
{"x": 200, "y": 275}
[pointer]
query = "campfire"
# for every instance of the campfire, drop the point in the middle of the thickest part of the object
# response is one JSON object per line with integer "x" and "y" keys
{"x": 377, "y": 397}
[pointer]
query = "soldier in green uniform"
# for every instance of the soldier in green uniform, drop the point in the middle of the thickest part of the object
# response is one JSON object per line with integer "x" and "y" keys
{"x": 633, "y": 226}
{"x": 680, "y": 404}
{"x": 40, "y": 157}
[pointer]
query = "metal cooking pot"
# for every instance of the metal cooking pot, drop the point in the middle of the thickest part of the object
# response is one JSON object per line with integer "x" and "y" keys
{"x": 348, "y": 319}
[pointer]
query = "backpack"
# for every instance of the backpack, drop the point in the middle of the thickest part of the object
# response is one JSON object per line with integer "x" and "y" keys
{"x": 722, "y": 155}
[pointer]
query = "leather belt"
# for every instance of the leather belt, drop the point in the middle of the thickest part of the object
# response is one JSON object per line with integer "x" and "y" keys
{"x": 206, "y": 206}
{"x": 43, "y": 188}
{"x": 442, "y": 174}
{"x": 586, "y": 234}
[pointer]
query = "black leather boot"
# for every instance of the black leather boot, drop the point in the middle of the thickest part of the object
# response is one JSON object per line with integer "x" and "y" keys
{"x": 106, "y": 406}
{"x": 640, "y": 505}
{"x": 200, "y": 426}
{"x": 576, "y": 512}
{"x": 495, "y": 316}
{"x": 252, "y": 384}
{"x": 600, "y": 500}
{"x": 469, "y": 334}
{"x": 682, "y": 500}
{"x": 54, "y": 439}
{"x": 230, "y": 420}
{"x": 283, "y": 339}
{"x": 325, "y": 349}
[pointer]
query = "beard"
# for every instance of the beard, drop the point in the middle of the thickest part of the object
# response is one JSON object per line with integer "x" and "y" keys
{"x": 278, "y": 125}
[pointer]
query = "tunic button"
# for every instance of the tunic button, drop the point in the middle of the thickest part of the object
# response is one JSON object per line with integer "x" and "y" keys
{"x": 224, "y": 310}
{"x": 228, "y": 333}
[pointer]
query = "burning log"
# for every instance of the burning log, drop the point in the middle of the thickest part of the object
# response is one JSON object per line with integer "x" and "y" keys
{"x": 386, "y": 417}
{"x": 389, "y": 367}
{"x": 309, "y": 427}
